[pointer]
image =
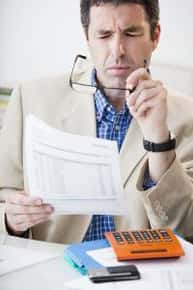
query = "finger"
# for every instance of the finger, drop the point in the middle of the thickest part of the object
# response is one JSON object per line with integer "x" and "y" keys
{"x": 29, "y": 219}
{"x": 147, "y": 95}
{"x": 134, "y": 78}
{"x": 24, "y": 199}
{"x": 22, "y": 227}
{"x": 145, "y": 107}
{"x": 15, "y": 209}
{"x": 132, "y": 98}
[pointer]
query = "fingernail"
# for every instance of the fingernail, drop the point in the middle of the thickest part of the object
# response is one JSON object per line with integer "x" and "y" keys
{"x": 38, "y": 202}
{"x": 130, "y": 87}
{"x": 50, "y": 209}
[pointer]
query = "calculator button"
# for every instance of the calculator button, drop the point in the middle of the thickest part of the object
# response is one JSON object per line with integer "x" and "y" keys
{"x": 165, "y": 235}
{"x": 146, "y": 236}
{"x": 137, "y": 236}
{"x": 128, "y": 237}
{"x": 154, "y": 234}
{"x": 118, "y": 238}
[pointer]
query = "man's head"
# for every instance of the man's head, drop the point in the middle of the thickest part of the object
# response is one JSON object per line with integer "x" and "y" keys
{"x": 151, "y": 8}
{"x": 120, "y": 35}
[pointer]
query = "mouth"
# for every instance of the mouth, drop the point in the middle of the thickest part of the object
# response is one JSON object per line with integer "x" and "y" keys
{"x": 118, "y": 70}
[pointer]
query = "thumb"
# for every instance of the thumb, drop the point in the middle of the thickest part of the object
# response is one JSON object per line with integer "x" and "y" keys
{"x": 135, "y": 77}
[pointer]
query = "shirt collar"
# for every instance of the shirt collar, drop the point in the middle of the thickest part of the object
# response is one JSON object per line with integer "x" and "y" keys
{"x": 103, "y": 107}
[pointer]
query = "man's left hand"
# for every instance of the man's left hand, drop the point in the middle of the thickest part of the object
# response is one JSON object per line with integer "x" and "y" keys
{"x": 148, "y": 105}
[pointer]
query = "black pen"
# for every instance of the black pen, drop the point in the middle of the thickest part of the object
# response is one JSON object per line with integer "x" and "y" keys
{"x": 146, "y": 66}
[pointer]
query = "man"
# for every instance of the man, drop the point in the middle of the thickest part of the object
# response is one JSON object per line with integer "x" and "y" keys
{"x": 121, "y": 37}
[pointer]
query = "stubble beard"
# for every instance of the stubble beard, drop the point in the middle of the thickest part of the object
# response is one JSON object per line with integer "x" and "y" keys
{"x": 115, "y": 93}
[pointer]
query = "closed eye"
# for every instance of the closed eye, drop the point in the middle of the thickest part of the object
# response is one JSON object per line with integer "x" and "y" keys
{"x": 134, "y": 34}
{"x": 104, "y": 36}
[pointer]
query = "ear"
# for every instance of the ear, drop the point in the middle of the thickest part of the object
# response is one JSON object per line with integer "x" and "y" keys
{"x": 156, "y": 39}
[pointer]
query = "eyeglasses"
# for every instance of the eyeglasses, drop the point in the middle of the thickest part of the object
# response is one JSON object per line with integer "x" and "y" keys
{"x": 80, "y": 66}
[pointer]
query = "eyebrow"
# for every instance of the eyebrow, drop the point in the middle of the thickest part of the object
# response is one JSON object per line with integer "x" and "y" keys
{"x": 132, "y": 28}
{"x": 104, "y": 31}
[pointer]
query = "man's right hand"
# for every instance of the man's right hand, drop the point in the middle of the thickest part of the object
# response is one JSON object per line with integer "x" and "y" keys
{"x": 23, "y": 211}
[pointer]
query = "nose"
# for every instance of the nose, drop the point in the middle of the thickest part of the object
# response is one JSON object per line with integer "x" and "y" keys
{"x": 118, "y": 48}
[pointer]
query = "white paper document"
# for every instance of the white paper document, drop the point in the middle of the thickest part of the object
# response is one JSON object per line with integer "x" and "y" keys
{"x": 150, "y": 280}
{"x": 13, "y": 259}
{"x": 76, "y": 174}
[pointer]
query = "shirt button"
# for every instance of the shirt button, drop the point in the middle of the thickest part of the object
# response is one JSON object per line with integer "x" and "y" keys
{"x": 108, "y": 109}
{"x": 98, "y": 116}
{"x": 117, "y": 127}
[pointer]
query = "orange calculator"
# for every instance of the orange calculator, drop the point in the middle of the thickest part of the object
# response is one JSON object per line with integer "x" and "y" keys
{"x": 145, "y": 244}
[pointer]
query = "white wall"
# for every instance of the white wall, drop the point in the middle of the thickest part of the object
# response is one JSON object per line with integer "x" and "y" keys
{"x": 176, "y": 45}
{"x": 41, "y": 37}
{"x": 38, "y": 37}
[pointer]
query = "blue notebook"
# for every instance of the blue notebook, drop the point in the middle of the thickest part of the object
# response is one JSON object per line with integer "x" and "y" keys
{"x": 77, "y": 257}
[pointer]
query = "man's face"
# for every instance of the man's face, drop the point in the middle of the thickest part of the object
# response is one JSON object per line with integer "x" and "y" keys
{"x": 119, "y": 40}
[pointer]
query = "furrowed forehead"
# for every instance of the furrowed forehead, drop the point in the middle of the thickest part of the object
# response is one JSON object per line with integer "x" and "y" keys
{"x": 106, "y": 16}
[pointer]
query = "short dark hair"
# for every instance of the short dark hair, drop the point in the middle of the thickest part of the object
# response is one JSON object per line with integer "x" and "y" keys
{"x": 151, "y": 8}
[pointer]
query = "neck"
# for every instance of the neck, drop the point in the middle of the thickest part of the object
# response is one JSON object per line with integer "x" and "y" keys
{"x": 116, "y": 103}
{"x": 115, "y": 97}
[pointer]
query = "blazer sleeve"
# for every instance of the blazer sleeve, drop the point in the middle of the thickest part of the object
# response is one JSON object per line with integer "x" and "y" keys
{"x": 170, "y": 202}
{"x": 11, "y": 145}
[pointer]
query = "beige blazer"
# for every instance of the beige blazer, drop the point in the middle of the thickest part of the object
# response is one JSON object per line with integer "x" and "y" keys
{"x": 170, "y": 203}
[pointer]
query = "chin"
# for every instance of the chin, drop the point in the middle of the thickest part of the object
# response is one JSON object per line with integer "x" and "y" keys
{"x": 116, "y": 83}
{"x": 115, "y": 94}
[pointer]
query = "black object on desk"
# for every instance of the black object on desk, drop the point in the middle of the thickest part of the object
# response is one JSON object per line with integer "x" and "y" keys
{"x": 117, "y": 273}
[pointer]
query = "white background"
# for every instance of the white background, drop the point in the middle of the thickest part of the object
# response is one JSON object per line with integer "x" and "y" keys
{"x": 41, "y": 37}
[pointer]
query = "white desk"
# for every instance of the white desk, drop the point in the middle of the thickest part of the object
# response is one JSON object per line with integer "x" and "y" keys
{"x": 48, "y": 275}
{"x": 51, "y": 274}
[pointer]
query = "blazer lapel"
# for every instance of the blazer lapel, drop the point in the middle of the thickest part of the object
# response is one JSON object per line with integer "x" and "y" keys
{"x": 81, "y": 117}
{"x": 132, "y": 151}
{"x": 77, "y": 113}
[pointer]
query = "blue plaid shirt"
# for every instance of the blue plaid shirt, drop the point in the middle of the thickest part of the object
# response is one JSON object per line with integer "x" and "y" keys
{"x": 111, "y": 125}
